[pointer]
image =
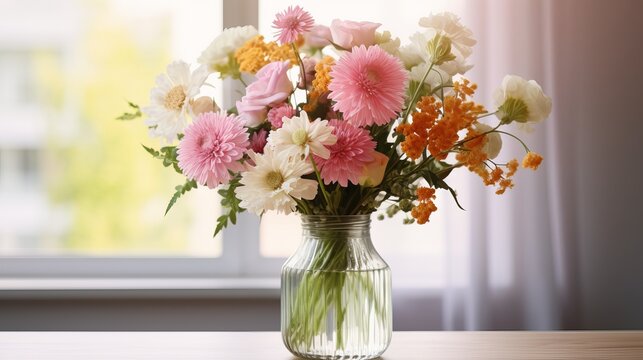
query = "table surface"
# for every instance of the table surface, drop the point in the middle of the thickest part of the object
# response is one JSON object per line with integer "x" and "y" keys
{"x": 268, "y": 345}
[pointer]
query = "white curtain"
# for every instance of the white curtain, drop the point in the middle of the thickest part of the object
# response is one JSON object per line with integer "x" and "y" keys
{"x": 530, "y": 259}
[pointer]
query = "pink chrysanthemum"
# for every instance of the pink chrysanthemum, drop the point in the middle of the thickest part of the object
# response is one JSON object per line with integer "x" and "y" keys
{"x": 368, "y": 86}
{"x": 277, "y": 114}
{"x": 291, "y": 23}
{"x": 212, "y": 146}
{"x": 348, "y": 156}
{"x": 258, "y": 141}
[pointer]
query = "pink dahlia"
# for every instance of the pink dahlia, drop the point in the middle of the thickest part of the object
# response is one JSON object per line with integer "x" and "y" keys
{"x": 291, "y": 23}
{"x": 278, "y": 113}
{"x": 258, "y": 141}
{"x": 212, "y": 147}
{"x": 353, "y": 150}
{"x": 368, "y": 86}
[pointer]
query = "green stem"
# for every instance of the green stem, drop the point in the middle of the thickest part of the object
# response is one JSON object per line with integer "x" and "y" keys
{"x": 322, "y": 186}
{"x": 416, "y": 94}
{"x": 515, "y": 137}
{"x": 302, "y": 70}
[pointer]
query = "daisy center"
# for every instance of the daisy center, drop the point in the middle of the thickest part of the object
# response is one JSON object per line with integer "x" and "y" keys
{"x": 175, "y": 98}
{"x": 274, "y": 180}
{"x": 299, "y": 137}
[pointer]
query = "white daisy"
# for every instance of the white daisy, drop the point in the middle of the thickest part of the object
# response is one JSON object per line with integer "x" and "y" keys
{"x": 275, "y": 182}
{"x": 298, "y": 137}
{"x": 169, "y": 100}
{"x": 219, "y": 54}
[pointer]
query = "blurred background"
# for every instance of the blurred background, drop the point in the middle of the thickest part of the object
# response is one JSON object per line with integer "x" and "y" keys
{"x": 84, "y": 244}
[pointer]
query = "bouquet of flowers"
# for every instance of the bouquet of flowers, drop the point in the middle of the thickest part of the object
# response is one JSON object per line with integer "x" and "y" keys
{"x": 337, "y": 120}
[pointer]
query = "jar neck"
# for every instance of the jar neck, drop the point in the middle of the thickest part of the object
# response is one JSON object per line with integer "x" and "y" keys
{"x": 334, "y": 227}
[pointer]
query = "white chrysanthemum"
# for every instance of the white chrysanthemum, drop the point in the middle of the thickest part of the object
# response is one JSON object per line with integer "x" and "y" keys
{"x": 494, "y": 141}
{"x": 520, "y": 100}
{"x": 275, "y": 182}
{"x": 169, "y": 100}
{"x": 217, "y": 55}
{"x": 299, "y": 137}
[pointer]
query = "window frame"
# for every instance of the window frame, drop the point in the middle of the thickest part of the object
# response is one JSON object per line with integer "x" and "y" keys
{"x": 240, "y": 256}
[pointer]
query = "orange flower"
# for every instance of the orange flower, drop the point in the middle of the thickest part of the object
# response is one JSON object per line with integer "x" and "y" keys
{"x": 459, "y": 114}
{"x": 422, "y": 211}
{"x": 532, "y": 160}
{"x": 320, "y": 83}
{"x": 416, "y": 134}
{"x": 256, "y": 53}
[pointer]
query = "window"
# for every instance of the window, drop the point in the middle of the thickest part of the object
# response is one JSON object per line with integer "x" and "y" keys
{"x": 77, "y": 192}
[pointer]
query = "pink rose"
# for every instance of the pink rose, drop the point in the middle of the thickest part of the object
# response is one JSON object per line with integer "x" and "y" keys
{"x": 373, "y": 172}
{"x": 318, "y": 37}
{"x": 347, "y": 34}
{"x": 271, "y": 87}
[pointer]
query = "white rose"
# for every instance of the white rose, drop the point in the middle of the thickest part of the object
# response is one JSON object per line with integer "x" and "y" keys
{"x": 520, "y": 100}
{"x": 217, "y": 55}
{"x": 494, "y": 141}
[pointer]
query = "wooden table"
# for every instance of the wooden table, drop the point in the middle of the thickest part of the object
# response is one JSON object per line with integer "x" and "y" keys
{"x": 267, "y": 345}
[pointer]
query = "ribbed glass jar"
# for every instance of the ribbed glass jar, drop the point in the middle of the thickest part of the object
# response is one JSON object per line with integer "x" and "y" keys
{"x": 336, "y": 291}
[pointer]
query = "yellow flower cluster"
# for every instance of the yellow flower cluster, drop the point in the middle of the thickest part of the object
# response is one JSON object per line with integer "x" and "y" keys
{"x": 256, "y": 53}
{"x": 320, "y": 83}
{"x": 422, "y": 211}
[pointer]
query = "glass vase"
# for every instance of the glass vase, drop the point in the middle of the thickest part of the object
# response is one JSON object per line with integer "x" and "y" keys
{"x": 336, "y": 291}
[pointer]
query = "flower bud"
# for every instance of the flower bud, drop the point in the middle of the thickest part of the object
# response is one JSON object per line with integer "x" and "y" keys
{"x": 440, "y": 49}
{"x": 373, "y": 172}
{"x": 202, "y": 105}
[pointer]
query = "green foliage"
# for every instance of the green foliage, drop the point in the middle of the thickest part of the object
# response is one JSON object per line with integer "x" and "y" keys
{"x": 167, "y": 154}
{"x": 136, "y": 113}
{"x": 180, "y": 190}
{"x": 230, "y": 202}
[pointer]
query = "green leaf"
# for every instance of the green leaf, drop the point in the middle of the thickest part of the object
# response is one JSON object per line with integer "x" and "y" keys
{"x": 230, "y": 203}
{"x": 136, "y": 113}
{"x": 438, "y": 183}
{"x": 180, "y": 190}
{"x": 168, "y": 155}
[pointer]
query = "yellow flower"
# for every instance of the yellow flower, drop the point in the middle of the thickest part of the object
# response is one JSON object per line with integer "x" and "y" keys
{"x": 256, "y": 53}
{"x": 320, "y": 83}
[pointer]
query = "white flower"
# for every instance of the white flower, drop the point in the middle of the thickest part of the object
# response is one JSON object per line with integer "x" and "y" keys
{"x": 387, "y": 43}
{"x": 218, "y": 54}
{"x": 298, "y": 137}
{"x": 275, "y": 182}
{"x": 418, "y": 52}
{"x": 449, "y": 24}
{"x": 445, "y": 25}
{"x": 494, "y": 141}
{"x": 434, "y": 79}
{"x": 520, "y": 100}
{"x": 170, "y": 99}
